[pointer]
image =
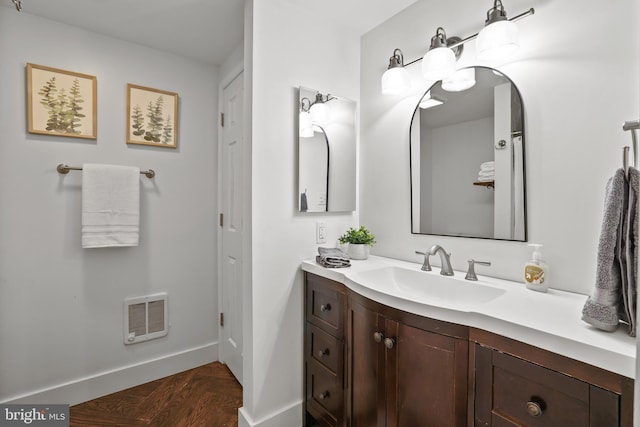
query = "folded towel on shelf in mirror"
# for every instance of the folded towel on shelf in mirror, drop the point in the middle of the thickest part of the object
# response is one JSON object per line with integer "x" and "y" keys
{"x": 487, "y": 166}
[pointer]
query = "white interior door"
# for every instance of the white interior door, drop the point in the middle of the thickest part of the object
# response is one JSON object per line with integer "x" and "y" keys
{"x": 231, "y": 227}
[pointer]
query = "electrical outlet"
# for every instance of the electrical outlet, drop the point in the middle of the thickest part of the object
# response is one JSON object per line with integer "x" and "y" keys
{"x": 321, "y": 232}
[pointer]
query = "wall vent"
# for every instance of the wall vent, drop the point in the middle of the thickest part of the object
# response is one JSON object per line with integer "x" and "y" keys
{"x": 145, "y": 318}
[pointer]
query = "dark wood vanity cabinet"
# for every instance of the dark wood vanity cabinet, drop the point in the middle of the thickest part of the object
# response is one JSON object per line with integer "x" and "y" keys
{"x": 520, "y": 385}
{"x": 369, "y": 365}
{"x": 325, "y": 309}
{"x": 404, "y": 370}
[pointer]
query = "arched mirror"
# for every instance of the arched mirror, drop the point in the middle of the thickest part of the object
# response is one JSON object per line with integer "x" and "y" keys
{"x": 326, "y": 152}
{"x": 467, "y": 158}
{"x": 313, "y": 155}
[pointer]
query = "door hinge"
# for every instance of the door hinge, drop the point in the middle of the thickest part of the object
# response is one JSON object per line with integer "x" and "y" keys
{"x": 222, "y": 319}
{"x": 222, "y": 119}
{"x": 221, "y": 219}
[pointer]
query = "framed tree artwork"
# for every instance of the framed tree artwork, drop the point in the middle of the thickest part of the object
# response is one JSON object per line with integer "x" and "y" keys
{"x": 152, "y": 116}
{"x": 61, "y": 103}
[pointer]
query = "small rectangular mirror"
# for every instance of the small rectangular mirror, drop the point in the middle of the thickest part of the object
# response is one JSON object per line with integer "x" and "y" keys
{"x": 326, "y": 152}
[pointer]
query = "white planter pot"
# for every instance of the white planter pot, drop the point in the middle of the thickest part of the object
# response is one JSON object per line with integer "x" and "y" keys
{"x": 358, "y": 251}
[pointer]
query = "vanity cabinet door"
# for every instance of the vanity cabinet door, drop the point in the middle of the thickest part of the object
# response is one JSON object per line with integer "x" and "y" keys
{"x": 426, "y": 378}
{"x": 402, "y": 375}
{"x": 514, "y": 392}
{"x": 366, "y": 399}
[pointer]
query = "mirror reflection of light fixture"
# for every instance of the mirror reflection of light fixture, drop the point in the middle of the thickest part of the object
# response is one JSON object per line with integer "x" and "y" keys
{"x": 440, "y": 61}
{"x": 395, "y": 81}
{"x": 460, "y": 80}
{"x": 304, "y": 121}
{"x": 429, "y": 101}
{"x": 499, "y": 38}
{"x": 319, "y": 109}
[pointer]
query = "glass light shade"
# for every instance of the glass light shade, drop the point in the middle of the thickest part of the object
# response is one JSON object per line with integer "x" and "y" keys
{"x": 304, "y": 123}
{"x": 395, "y": 81}
{"x": 460, "y": 80}
{"x": 319, "y": 112}
{"x": 438, "y": 63}
{"x": 497, "y": 41}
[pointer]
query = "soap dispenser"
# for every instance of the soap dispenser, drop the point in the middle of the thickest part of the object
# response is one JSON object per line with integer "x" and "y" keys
{"x": 536, "y": 271}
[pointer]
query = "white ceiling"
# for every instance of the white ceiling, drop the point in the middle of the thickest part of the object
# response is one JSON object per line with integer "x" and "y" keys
{"x": 204, "y": 30}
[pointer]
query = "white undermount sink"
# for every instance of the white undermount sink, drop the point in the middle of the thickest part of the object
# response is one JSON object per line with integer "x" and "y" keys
{"x": 426, "y": 287}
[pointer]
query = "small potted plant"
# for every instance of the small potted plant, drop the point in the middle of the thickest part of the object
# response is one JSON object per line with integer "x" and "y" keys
{"x": 359, "y": 241}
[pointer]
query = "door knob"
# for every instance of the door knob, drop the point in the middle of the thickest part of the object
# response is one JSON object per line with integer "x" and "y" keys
{"x": 378, "y": 336}
{"x": 389, "y": 343}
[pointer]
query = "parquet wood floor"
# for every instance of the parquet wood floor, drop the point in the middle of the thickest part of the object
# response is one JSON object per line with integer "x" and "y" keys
{"x": 207, "y": 396}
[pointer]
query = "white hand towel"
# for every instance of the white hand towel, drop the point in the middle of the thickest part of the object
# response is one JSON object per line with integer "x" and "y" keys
{"x": 110, "y": 205}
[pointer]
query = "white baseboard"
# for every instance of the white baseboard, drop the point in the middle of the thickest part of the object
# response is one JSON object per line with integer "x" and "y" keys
{"x": 290, "y": 416}
{"x": 103, "y": 383}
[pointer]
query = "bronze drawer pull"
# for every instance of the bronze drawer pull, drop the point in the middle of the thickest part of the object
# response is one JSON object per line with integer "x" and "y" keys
{"x": 325, "y": 307}
{"x": 324, "y": 395}
{"x": 378, "y": 336}
{"x": 324, "y": 352}
{"x": 389, "y": 343}
{"x": 534, "y": 409}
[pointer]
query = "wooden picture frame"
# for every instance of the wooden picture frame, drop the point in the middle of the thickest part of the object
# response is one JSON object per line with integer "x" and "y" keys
{"x": 152, "y": 116}
{"x": 61, "y": 102}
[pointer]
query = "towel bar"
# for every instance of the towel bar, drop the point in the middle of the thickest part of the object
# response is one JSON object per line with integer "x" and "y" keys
{"x": 64, "y": 169}
{"x": 631, "y": 126}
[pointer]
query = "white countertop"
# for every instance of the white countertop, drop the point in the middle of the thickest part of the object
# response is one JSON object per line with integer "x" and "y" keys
{"x": 547, "y": 320}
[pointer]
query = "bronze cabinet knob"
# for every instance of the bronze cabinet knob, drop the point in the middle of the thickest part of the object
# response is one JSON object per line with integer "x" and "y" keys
{"x": 534, "y": 409}
{"x": 389, "y": 343}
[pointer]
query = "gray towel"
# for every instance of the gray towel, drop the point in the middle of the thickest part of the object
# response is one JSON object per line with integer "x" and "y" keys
{"x": 332, "y": 258}
{"x": 603, "y": 307}
{"x": 629, "y": 245}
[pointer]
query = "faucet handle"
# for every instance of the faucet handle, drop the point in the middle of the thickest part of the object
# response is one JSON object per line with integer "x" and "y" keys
{"x": 426, "y": 266}
{"x": 471, "y": 273}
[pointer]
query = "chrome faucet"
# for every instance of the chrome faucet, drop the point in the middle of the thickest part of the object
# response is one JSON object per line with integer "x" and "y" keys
{"x": 445, "y": 259}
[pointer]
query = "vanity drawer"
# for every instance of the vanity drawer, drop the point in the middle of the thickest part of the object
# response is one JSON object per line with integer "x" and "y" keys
{"x": 325, "y": 305}
{"x": 324, "y": 394}
{"x": 324, "y": 348}
{"x": 513, "y": 392}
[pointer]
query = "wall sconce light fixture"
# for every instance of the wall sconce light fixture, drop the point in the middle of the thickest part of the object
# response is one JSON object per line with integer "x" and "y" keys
{"x": 499, "y": 37}
{"x": 319, "y": 110}
{"x": 439, "y": 61}
{"x": 313, "y": 113}
{"x": 395, "y": 81}
{"x": 305, "y": 127}
{"x": 496, "y": 40}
